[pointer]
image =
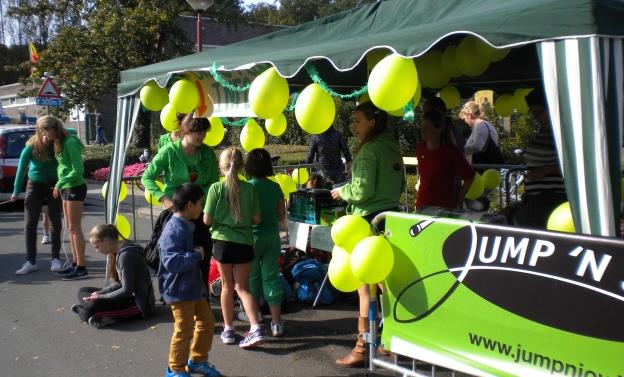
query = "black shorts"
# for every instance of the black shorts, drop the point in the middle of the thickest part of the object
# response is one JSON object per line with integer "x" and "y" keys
{"x": 74, "y": 194}
{"x": 232, "y": 252}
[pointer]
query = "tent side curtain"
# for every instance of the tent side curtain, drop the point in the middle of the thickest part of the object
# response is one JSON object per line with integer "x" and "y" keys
{"x": 127, "y": 112}
{"x": 584, "y": 88}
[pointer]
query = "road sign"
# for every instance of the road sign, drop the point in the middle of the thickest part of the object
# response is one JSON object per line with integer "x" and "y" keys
{"x": 52, "y": 102}
{"x": 49, "y": 89}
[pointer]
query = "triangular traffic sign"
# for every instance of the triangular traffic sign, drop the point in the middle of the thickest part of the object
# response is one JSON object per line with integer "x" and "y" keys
{"x": 49, "y": 89}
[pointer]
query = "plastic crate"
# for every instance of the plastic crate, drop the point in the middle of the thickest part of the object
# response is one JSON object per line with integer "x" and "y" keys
{"x": 305, "y": 205}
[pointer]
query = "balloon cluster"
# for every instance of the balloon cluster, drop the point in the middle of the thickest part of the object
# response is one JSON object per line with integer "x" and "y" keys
{"x": 561, "y": 219}
{"x": 489, "y": 180}
{"x": 357, "y": 257}
{"x": 122, "y": 224}
{"x": 506, "y": 103}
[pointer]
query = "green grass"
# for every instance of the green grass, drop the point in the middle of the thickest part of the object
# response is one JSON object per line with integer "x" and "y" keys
{"x": 289, "y": 154}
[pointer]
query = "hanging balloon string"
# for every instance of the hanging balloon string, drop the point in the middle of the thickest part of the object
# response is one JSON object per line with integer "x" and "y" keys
{"x": 224, "y": 83}
{"x": 293, "y": 102}
{"x": 314, "y": 75}
{"x": 236, "y": 123}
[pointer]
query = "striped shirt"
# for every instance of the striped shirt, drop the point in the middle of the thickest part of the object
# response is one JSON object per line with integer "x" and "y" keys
{"x": 542, "y": 152}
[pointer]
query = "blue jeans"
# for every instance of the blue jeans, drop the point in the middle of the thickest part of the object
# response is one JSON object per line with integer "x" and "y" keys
{"x": 101, "y": 136}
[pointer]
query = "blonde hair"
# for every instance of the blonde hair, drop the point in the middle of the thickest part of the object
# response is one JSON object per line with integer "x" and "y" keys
{"x": 52, "y": 122}
{"x": 41, "y": 151}
{"x": 103, "y": 231}
{"x": 471, "y": 108}
{"x": 230, "y": 163}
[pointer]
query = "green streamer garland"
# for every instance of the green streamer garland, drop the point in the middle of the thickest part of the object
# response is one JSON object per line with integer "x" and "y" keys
{"x": 218, "y": 78}
{"x": 314, "y": 75}
{"x": 237, "y": 123}
{"x": 293, "y": 102}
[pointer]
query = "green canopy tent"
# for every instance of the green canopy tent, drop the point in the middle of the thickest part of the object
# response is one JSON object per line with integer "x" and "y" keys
{"x": 578, "y": 58}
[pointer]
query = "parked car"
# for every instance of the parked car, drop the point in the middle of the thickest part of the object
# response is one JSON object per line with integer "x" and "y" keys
{"x": 12, "y": 141}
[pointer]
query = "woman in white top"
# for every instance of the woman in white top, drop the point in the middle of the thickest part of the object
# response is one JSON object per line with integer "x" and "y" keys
{"x": 477, "y": 142}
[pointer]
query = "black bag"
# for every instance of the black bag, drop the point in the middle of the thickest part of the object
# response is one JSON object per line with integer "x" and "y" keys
{"x": 152, "y": 255}
{"x": 491, "y": 153}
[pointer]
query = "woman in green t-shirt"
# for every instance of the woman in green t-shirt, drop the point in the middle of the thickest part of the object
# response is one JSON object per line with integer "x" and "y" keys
{"x": 38, "y": 159}
{"x": 232, "y": 207}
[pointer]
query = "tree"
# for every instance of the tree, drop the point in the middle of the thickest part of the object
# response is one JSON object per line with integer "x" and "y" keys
{"x": 295, "y": 12}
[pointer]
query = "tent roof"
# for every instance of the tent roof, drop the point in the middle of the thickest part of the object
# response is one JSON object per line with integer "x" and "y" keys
{"x": 407, "y": 27}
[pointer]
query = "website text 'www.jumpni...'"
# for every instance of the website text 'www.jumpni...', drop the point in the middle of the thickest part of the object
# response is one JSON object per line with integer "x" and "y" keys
{"x": 520, "y": 355}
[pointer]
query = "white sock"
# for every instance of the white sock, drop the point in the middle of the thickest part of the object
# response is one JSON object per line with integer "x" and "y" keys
{"x": 225, "y": 328}
{"x": 254, "y": 328}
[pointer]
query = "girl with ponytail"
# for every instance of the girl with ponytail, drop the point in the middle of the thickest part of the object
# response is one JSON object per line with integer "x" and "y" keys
{"x": 232, "y": 208}
{"x": 128, "y": 294}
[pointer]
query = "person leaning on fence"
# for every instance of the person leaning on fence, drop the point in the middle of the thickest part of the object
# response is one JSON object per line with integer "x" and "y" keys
{"x": 71, "y": 188}
{"x": 482, "y": 144}
{"x": 181, "y": 285}
{"x": 38, "y": 158}
{"x": 326, "y": 149}
{"x": 185, "y": 160}
{"x": 232, "y": 208}
{"x": 129, "y": 294}
{"x": 264, "y": 280}
{"x": 544, "y": 189}
{"x": 376, "y": 186}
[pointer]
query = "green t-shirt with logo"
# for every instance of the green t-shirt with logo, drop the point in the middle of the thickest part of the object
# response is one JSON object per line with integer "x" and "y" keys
{"x": 271, "y": 195}
{"x": 191, "y": 163}
{"x": 223, "y": 226}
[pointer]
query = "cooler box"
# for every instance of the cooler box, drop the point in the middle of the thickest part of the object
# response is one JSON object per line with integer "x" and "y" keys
{"x": 305, "y": 205}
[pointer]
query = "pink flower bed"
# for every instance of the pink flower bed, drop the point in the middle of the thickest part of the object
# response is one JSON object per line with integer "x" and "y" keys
{"x": 134, "y": 170}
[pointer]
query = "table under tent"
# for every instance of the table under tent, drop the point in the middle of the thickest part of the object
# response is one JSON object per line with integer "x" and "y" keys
{"x": 573, "y": 48}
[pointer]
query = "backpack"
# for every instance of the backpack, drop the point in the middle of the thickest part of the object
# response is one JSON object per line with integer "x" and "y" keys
{"x": 151, "y": 250}
{"x": 491, "y": 153}
{"x": 309, "y": 274}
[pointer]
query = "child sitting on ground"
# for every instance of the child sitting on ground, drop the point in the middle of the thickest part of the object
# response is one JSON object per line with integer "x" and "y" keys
{"x": 180, "y": 282}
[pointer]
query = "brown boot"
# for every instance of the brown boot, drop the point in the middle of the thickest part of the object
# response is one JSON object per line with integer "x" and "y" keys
{"x": 357, "y": 356}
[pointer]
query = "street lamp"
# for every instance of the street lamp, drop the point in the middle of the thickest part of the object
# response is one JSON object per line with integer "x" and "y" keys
{"x": 199, "y": 6}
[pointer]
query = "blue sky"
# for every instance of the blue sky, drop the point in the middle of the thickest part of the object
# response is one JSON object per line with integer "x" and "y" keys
{"x": 249, "y": 2}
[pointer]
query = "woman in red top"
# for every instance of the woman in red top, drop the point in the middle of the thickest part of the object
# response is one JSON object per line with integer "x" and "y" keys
{"x": 439, "y": 165}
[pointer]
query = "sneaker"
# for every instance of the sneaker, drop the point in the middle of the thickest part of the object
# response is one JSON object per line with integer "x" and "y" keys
{"x": 67, "y": 270}
{"x": 76, "y": 274}
{"x": 76, "y": 308}
{"x": 242, "y": 316}
{"x": 45, "y": 239}
{"x": 277, "y": 329}
{"x": 252, "y": 339}
{"x": 98, "y": 323}
{"x": 228, "y": 336}
{"x": 27, "y": 268}
{"x": 56, "y": 265}
{"x": 203, "y": 367}
{"x": 169, "y": 373}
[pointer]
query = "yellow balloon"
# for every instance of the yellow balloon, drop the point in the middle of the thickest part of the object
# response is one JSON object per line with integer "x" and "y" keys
{"x": 153, "y": 97}
{"x": 398, "y": 112}
{"x": 184, "y": 96}
{"x": 315, "y": 109}
{"x": 272, "y": 178}
{"x": 268, "y": 94}
{"x": 450, "y": 95}
{"x": 519, "y": 98}
{"x": 468, "y": 60}
{"x": 430, "y": 70}
{"x": 449, "y": 66}
{"x": 372, "y": 259}
{"x": 252, "y": 136}
{"x": 169, "y": 119}
{"x": 123, "y": 191}
{"x": 287, "y": 184}
{"x": 476, "y": 188}
{"x": 490, "y": 52}
{"x": 491, "y": 179}
{"x": 392, "y": 82}
{"x": 276, "y": 126}
{"x": 300, "y": 176}
{"x": 417, "y": 95}
{"x": 123, "y": 226}
{"x": 504, "y": 105}
{"x": 348, "y": 230}
{"x": 561, "y": 220}
{"x": 149, "y": 198}
{"x": 340, "y": 275}
{"x": 216, "y": 133}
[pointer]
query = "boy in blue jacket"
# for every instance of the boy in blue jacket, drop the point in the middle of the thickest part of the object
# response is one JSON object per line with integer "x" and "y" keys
{"x": 179, "y": 280}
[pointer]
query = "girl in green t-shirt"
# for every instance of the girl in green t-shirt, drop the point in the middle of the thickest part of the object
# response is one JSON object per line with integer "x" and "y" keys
{"x": 232, "y": 207}
{"x": 264, "y": 280}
